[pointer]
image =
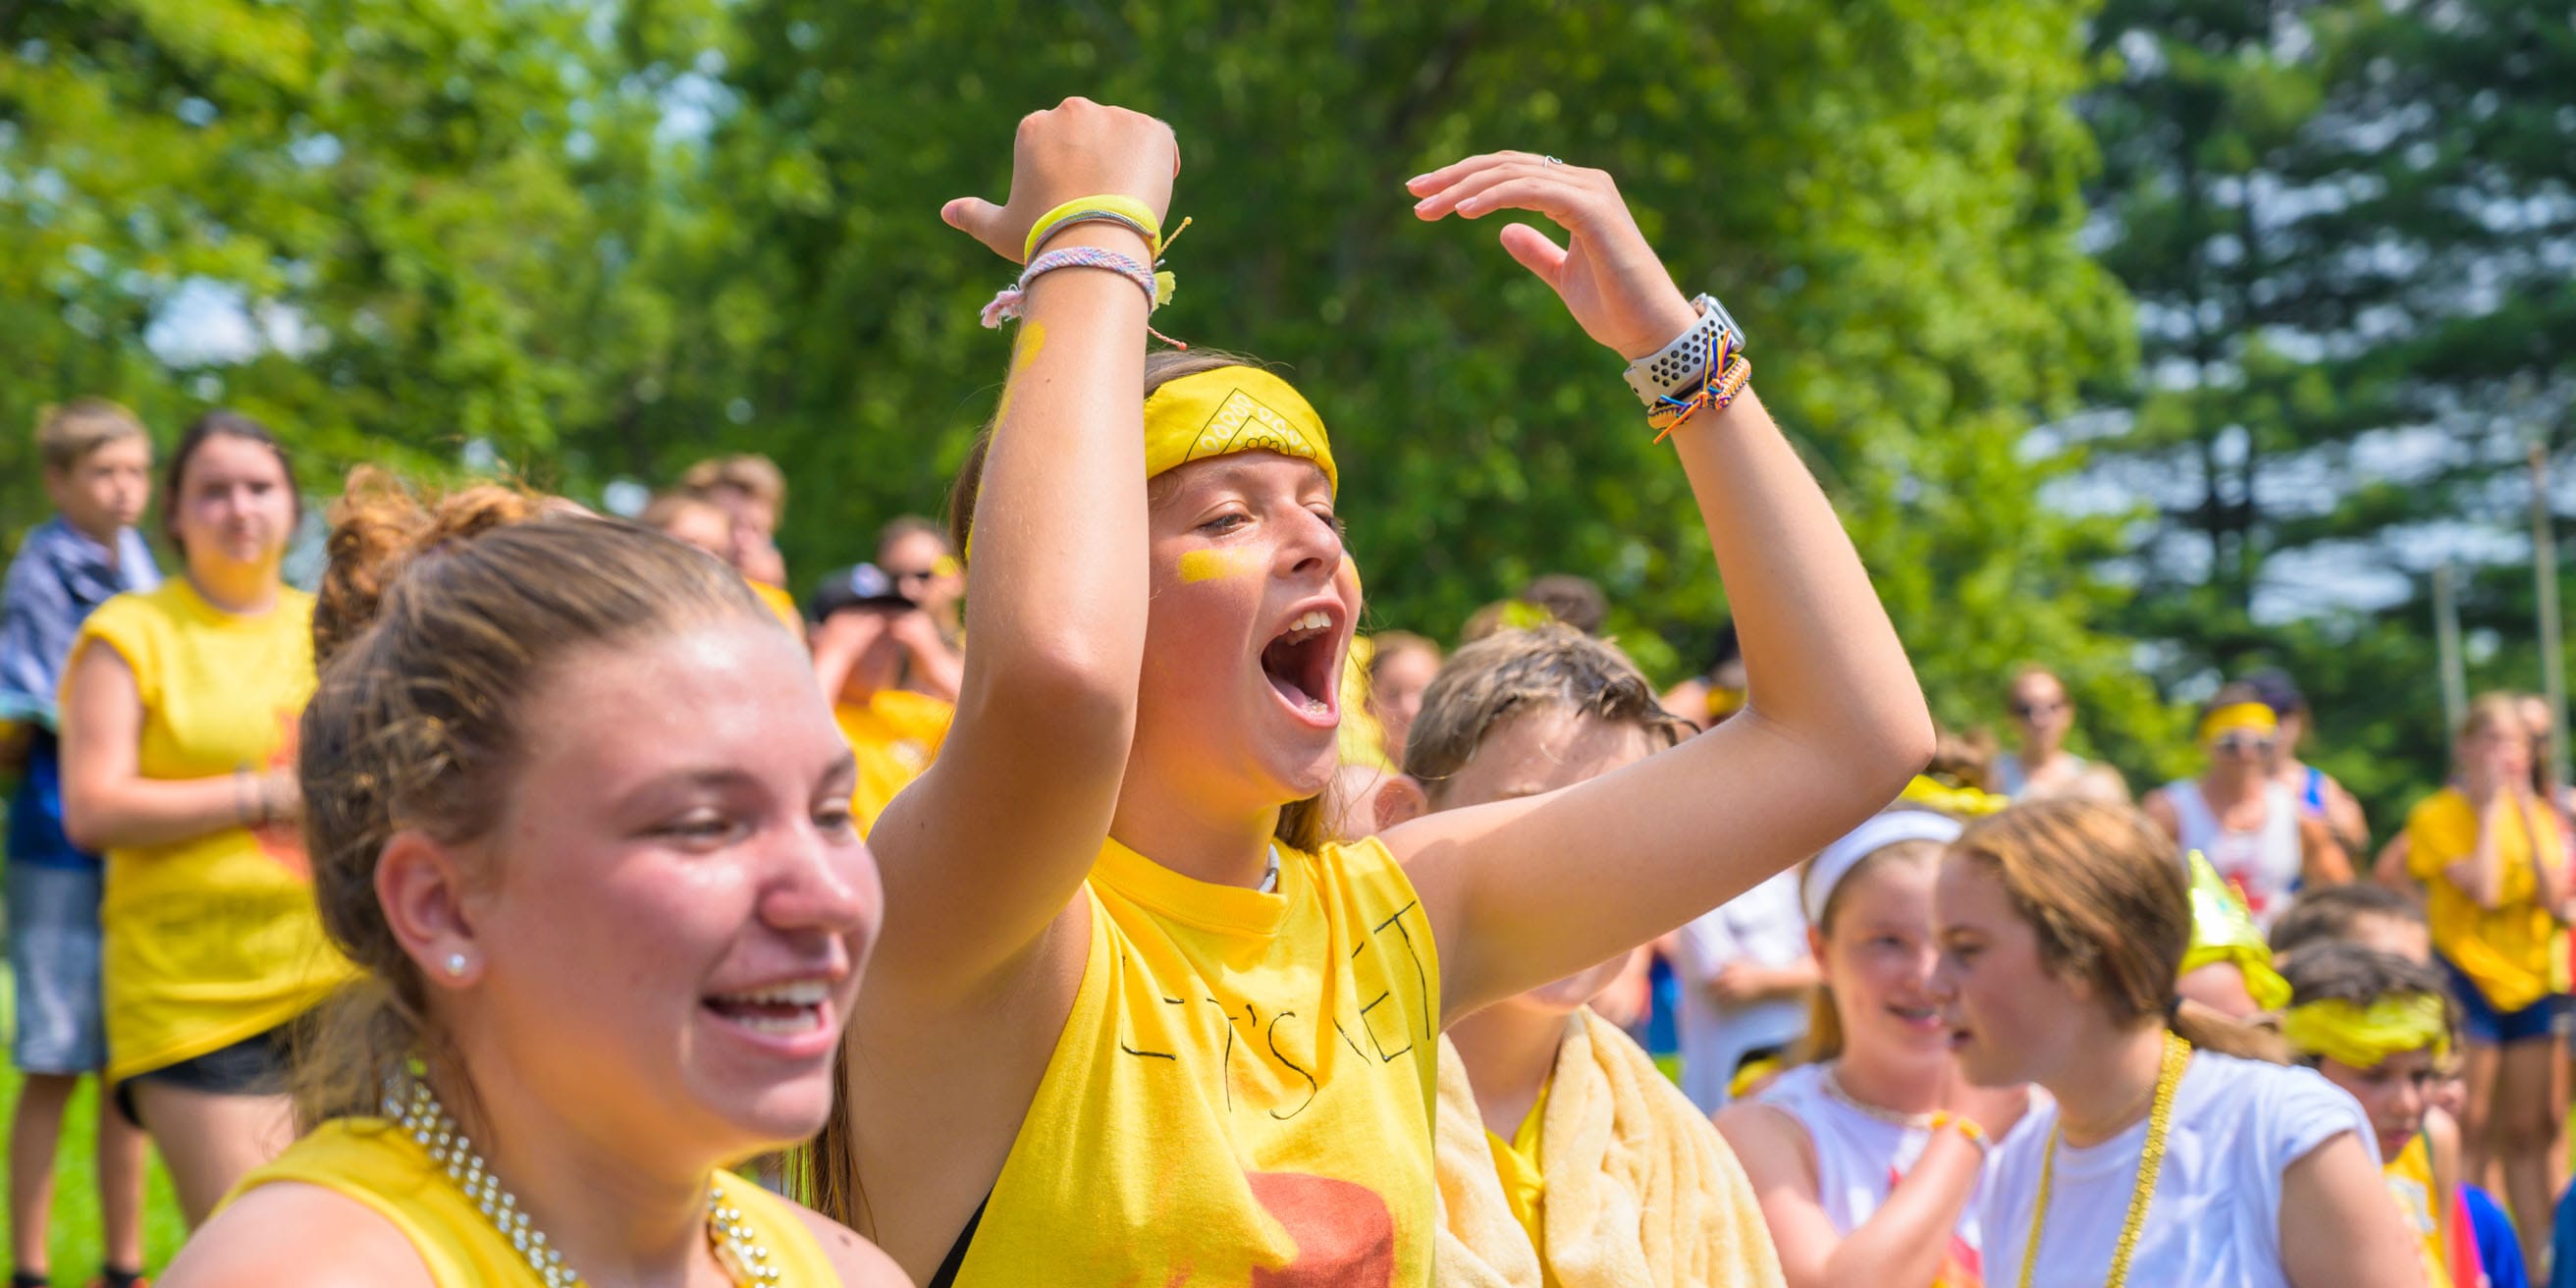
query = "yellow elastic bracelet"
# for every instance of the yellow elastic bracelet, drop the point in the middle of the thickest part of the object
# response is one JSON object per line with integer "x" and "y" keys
{"x": 1123, "y": 206}
{"x": 1967, "y": 1126}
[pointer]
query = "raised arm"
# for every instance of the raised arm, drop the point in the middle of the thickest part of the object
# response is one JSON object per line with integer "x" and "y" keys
{"x": 989, "y": 848}
{"x": 108, "y": 803}
{"x": 1522, "y": 892}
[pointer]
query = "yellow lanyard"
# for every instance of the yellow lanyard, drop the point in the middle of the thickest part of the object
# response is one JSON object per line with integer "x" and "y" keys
{"x": 2159, "y": 1121}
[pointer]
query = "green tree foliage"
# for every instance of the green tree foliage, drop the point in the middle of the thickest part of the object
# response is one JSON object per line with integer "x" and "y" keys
{"x": 2347, "y": 226}
{"x": 1885, "y": 193}
{"x": 608, "y": 239}
{"x": 434, "y": 213}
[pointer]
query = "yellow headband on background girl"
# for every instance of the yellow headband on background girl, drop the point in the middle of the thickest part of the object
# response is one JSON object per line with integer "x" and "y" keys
{"x": 2242, "y": 715}
{"x": 1229, "y": 410}
{"x": 2364, "y": 1036}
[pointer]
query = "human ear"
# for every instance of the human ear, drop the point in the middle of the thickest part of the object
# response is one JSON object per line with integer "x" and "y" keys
{"x": 1401, "y": 800}
{"x": 420, "y": 886}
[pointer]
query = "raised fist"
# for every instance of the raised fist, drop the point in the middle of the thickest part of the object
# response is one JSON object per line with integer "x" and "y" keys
{"x": 1078, "y": 148}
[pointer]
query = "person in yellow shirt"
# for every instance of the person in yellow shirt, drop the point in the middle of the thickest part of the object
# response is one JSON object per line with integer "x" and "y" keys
{"x": 607, "y": 947}
{"x": 2379, "y": 1026}
{"x": 2488, "y": 853}
{"x": 179, "y": 708}
{"x": 1135, "y": 1019}
{"x": 694, "y": 520}
{"x": 1540, "y": 1096}
{"x": 875, "y": 652}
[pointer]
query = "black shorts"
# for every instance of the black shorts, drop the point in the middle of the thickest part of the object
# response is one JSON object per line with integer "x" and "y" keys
{"x": 254, "y": 1066}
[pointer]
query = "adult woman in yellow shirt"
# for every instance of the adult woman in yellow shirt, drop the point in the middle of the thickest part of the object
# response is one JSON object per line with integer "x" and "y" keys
{"x": 2488, "y": 853}
{"x": 1133, "y": 1019}
{"x": 607, "y": 947}
{"x": 179, "y": 709}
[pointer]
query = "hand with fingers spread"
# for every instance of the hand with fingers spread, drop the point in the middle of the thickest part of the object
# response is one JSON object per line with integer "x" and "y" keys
{"x": 1077, "y": 148}
{"x": 1609, "y": 278}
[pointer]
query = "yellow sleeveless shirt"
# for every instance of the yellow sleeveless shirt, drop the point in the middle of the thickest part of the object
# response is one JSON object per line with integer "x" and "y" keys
{"x": 376, "y": 1163}
{"x": 2410, "y": 1179}
{"x": 1242, "y": 1094}
{"x": 211, "y": 939}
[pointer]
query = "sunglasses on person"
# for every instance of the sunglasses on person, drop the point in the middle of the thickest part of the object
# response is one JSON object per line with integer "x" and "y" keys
{"x": 2240, "y": 744}
{"x": 912, "y": 574}
{"x": 2034, "y": 710}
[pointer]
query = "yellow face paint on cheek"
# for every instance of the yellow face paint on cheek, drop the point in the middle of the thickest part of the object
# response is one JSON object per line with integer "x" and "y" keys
{"x": 1208, "y": 565}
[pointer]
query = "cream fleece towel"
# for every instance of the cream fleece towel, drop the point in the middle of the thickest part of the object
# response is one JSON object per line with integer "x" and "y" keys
{"x": 1641, "y": 1190}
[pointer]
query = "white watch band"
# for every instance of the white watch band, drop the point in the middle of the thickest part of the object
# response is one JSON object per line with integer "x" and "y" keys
{"x": 1679, "y": 369}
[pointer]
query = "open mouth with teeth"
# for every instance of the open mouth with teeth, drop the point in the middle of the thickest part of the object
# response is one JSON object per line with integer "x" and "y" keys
{"x": 784, "y": 1009}
{"x": 1302, "y": 667}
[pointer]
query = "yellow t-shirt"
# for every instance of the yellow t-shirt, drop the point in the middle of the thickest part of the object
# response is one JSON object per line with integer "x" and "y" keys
{"x": 1523, "y": 1171}
{"x": 781, "y": 605}
{"x": 893, "y": 735}
{"x": 379, "y": 1165}
{"x": 2410, "y": 1180}
{"x": 2505, "y": 951}
{"x": 212, "y": 939}
{"x": 1243, "y": 1092}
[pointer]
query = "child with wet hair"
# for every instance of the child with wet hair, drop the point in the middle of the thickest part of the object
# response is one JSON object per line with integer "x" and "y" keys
{"x": 1564, "y": 1156}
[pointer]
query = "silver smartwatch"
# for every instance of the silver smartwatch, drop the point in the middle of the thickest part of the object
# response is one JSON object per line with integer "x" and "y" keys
{"x": 1679, "y": 369}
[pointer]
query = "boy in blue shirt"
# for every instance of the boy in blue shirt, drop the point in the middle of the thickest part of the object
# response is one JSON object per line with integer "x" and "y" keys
{"x": 98, "y": 465}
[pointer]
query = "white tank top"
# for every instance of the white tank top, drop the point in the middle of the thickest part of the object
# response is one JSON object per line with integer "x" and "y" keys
{"x": 1859, "y": 1155}
{"x": 2262, "y": 864}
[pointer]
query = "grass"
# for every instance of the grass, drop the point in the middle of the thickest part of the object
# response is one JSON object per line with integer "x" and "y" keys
{"x": 75, "y": 1243}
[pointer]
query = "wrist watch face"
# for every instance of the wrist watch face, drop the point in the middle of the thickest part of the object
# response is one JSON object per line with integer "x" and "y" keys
{"x": 1724, "y": 319}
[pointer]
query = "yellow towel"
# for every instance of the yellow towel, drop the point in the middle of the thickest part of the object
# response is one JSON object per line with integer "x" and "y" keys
{"x": 1641, "y": 1190}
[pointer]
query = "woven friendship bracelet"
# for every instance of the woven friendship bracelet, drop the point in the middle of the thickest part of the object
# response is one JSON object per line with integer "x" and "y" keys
{"x": 1733, "y": 374}
{"x": 1013, "y": 299}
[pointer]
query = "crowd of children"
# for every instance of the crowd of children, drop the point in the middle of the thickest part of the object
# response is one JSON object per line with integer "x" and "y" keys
{"x": 1177, "y": 930}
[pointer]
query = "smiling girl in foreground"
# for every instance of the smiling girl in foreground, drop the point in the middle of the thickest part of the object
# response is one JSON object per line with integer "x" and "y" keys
{"x": 1132, "y": 1021}
{"x": 608, "y": 945}
{"x": 2176, "y": 1152}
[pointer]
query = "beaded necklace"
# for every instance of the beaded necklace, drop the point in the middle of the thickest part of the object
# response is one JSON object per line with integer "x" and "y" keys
{"x": 2159, "y": 1122}
{"x": 1841, "y": 1095}
{"x": 729, "y": 1235}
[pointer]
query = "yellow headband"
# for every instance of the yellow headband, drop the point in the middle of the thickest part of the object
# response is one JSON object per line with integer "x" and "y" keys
{"x": 2222, "y": 931}
{"x": 1957, "y": 802}
{"x": 2339, "y": 1030}
{"x": 2241, "y": 715}
{"x": 1229, "y": 410}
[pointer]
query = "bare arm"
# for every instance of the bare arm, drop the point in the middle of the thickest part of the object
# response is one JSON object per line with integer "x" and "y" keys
{"x": 2322, "y": 860}
{"x": 1835, "y": 724}
{"x": 2338, "y": 1225}
{"x": 1905, "y": 1242}
{"x": 108, "y": 803}
{"x": 2481, "y": 874}
{"x": 2548, "y": 861}
{"x": 2159, "y": 810}
{"x": 939, "y": 671}
{"x": 1058, "y": 614}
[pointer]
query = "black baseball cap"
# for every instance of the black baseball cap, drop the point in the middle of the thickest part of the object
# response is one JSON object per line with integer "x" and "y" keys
{"x": 858, "y": 586}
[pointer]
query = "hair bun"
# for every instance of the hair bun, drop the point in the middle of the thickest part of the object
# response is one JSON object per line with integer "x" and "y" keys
{"x": 380, "y": 528}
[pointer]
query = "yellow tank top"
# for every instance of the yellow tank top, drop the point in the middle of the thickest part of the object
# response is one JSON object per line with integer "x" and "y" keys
{"x": 1242, "y": 1094}
{"x": 377, "y": 1164}
{"x": 2410, "y": 1178}
{"x": 212, "y": 939}
{"x": 893, "y": 735}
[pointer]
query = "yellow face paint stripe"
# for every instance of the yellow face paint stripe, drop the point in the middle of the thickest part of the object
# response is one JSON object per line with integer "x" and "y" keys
{"x": 1208, "y": 565}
